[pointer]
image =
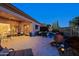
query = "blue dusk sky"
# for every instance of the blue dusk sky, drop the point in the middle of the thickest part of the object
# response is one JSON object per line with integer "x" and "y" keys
{"x": 49, "y": 13}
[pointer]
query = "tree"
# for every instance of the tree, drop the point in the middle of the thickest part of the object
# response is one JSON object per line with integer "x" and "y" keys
{"x": 55, "y": 26}
{"x": 74, "y": 22}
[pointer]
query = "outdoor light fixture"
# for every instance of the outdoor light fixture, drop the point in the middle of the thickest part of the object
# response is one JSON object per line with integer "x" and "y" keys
{"x": 28, "y": 26}
{"x": 62, "y": 49}
{"x": 9, "y": 29}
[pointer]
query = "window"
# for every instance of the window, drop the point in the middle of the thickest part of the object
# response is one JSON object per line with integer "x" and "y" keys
{"x": 4, "y": 28}
{"x": 36, "y": 26}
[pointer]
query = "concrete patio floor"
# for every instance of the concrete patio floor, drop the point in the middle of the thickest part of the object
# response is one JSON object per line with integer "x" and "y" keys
{"x": 40, "y": 46}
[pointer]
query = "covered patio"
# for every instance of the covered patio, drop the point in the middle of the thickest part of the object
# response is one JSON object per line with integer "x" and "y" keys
{"x": 11, "y": 25}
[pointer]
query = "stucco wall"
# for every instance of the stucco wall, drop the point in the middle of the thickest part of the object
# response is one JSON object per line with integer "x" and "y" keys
{"x": 33, "y": 28}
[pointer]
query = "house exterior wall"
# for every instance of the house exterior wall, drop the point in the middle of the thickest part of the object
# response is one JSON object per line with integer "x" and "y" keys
{"x": 34, "y": 29}
{"x": 20, "y": 24}
{"x": 15, "y": 25}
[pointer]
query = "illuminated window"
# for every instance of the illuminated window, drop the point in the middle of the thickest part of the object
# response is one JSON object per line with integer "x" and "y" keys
{"x": 4, "y": 28}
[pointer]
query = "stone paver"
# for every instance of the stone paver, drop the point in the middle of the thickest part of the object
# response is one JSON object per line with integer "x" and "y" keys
{"x": 39, "y": 45}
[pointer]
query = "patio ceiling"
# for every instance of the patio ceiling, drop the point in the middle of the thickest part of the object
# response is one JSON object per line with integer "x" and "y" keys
{"x": 8, "y": 16}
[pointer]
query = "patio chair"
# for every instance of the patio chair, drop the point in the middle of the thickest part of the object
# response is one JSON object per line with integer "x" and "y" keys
{"x": 5, "y": 51}
{"x": 11, "y": 52}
